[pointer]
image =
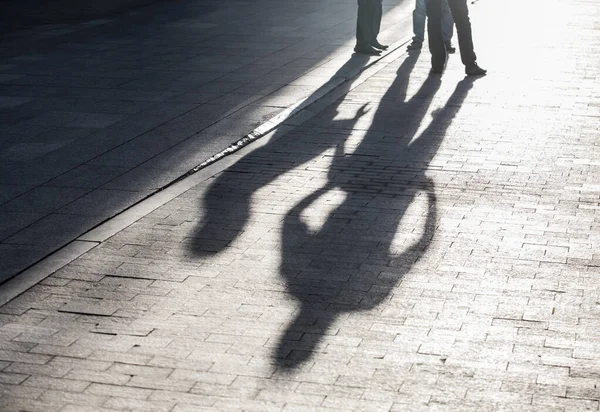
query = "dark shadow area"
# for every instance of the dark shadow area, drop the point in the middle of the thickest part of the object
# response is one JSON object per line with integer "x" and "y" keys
{"x": 347, "y": 265}
{"x": 99, "y": 115}
{"x": 22, "y": 14}
{"x": 228, "y": 200}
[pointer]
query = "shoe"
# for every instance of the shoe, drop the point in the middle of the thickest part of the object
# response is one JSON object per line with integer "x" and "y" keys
{"x": 450, "y": 48}
{"x": 366, "y": 49}
{"x": 415, "y": 45}
{"x": 378, "y": 45}
{"x": 436, "y": 67}
{"x": 475, "y": 70}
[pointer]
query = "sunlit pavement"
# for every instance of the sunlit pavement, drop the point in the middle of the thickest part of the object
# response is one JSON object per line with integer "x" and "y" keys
{"x": 423, "y": 243}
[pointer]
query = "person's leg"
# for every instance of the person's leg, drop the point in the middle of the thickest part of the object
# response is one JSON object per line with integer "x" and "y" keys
{"x": 364, "y": 28}
{"x": 447, "y": 22}
{"x": 419, "y": 17}
{"x": 436, "y": 38}
{"x": 460, "y": 13}
{"x": 377, "y": 16}
{"x": 362, "y": 23}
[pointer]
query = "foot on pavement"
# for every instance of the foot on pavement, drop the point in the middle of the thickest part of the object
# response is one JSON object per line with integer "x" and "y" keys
{"x": 365, "y": 49}
{"x": 378, "y": 45}
{"x": 415, "y": 45}
{"x": 475, "y": 70}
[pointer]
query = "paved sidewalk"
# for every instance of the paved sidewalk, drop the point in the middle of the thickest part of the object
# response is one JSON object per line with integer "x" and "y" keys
{"x": 23, "y": 14}
{"x": 420, "y": 243}
{"x": 96, "y": 116}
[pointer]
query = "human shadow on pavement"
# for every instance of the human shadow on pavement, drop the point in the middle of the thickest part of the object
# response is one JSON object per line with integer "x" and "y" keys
{"x": 351, "y": 263}
{"x": 228, "y": 201}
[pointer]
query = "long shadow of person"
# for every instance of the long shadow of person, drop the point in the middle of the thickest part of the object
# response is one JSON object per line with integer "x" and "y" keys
{"x": 350, "y": 264}
{"x": 227, "y": 203}
{"x": 396, "y": 158}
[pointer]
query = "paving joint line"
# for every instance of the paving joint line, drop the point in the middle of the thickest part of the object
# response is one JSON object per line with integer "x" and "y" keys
{"x": 95, "y": 236}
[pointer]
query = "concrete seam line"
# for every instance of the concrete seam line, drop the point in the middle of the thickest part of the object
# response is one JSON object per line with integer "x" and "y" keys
{"x": 51, "y": 263}
{"x": 279, "y": 119}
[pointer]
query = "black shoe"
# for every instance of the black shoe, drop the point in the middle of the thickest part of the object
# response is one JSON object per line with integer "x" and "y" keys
{"x": 378, "y": 45}
{"x": 366, "y": 49}
{"x": 415, "y": 45}
{"x": 475, "y": 70}
{"x": 450, "y": 48}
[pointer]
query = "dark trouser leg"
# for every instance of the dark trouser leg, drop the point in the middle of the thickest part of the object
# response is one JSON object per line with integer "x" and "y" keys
{"x": 460, "y": 13}
{"x": 377, "y": 14}
{"x": 435, "y": 35}
{"x": 364, "y": 23}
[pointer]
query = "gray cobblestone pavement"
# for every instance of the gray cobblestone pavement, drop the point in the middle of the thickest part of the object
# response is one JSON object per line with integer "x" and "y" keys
{"x": 97, "y": 115}
{"x": 420, "y": 243}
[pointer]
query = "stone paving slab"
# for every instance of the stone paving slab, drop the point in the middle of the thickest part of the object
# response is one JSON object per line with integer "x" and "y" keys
{"x": 421, "y": 243}
{"x": 145, "y": 96}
